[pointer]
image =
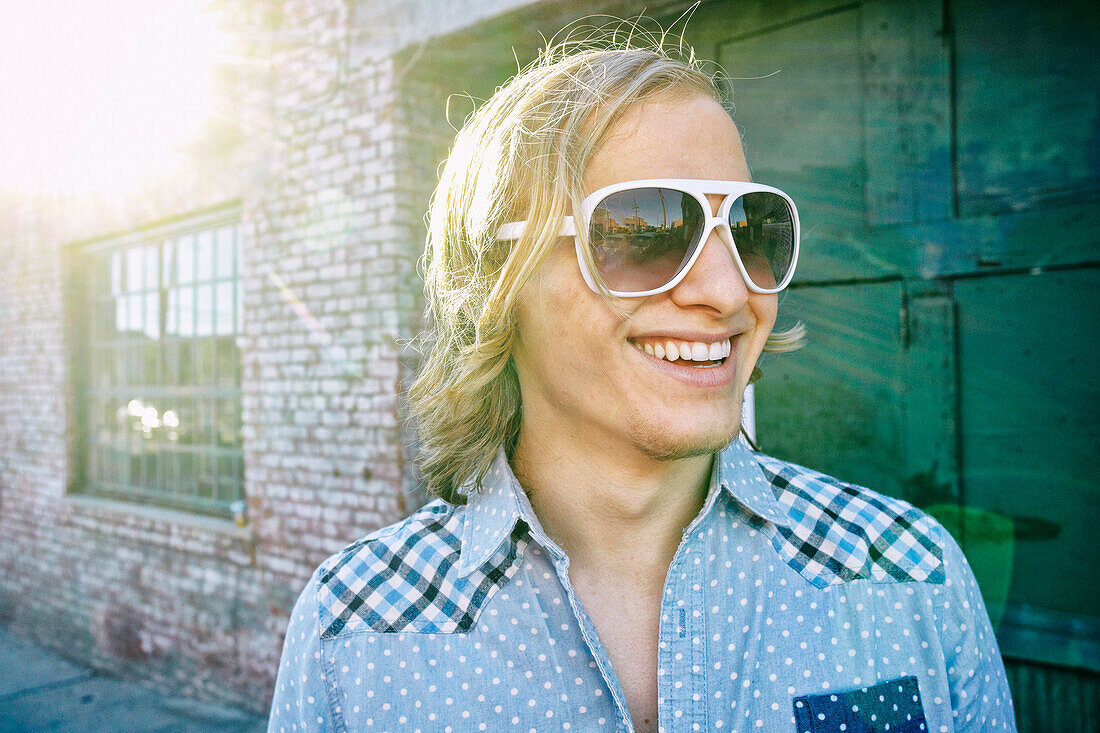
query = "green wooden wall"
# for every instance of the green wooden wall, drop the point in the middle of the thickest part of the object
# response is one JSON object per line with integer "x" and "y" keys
{"x": 946, "y": 160}
{"x": 945, "y": 157}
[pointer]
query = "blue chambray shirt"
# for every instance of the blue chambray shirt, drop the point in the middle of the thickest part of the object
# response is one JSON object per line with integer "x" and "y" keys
{"x": 795, "y": 602}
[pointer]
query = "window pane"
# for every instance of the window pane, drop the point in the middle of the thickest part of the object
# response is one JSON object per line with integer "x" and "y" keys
{"x": 223, "y": 318}
{"x": 152, "y": 267}
{"x": 226, "y": 252}
{"x": 149, "y": 355}
{"x": 229, "y": 423}
{"x": 120, "y": 466}
{"x": 170, "y": 472}
{"x": 148, "y": 463}
{"x": 116, "y": 273}
{"x": 120, "y": 425}
{"x": 168, "y": 263}
{"x": 169, "y": 363}
{"x": 103, "y": 321}
{"x": 102, "y": 419}
{"x": 123, "y": 368}
{"x": 204, "y": 421}
{"x": 185, "y": 409}
{"x": 186, "y": 363}
{"x": 133, "y": 461}
{"x": 172, "y": 314}
{"x": 185, "y": 259}
{"x": 205, "y": 475}
{"x": 228, "y": 478}
{"x": 102, "y": 470}
{"x": 187, "y": 312}
{"x": 134, "y": 275}
{"x": 204, "y": 307}
{"x": 171, "y": 421}
{"x": 135, "y": 320}
{"x": 152, "y": 315}
{"x": 135, "y": 365}
{"x": 101, "y": 275}
{"x": 229, "y": 362}
{"x": 93, "y": 466}
{"x": 187, "y": 482}
{"x": 205, "y": 255}
{"x": 204, "y": 362}
{"x": 120, "y": 314}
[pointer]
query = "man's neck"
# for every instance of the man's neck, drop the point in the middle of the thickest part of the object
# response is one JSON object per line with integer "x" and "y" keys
{"x": 616, "y": 513}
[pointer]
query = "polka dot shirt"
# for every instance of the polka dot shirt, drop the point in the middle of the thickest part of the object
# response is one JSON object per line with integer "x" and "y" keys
{"x": 795, "y": 602}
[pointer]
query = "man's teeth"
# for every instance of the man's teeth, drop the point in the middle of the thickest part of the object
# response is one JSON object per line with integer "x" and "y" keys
{"x": 686, "y": 350}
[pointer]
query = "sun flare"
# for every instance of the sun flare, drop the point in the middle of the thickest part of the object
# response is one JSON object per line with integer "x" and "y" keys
{"x": 99, "y": 96}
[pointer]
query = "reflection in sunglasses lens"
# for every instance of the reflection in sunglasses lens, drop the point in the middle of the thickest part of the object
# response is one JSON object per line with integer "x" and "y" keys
{"x": 641, "y": 238}
{"x": 763, "y": 232}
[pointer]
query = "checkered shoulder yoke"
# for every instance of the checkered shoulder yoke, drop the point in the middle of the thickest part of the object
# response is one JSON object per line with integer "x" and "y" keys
{"x": 404, "y": 578}
{"x": 840, "y": 532}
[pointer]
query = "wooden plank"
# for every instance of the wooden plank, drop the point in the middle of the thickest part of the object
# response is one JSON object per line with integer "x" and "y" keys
{"x": 1030, "y": 388}
{"x": 714, "y": 24}
{"x": 906, "y": 111}
{"x": 931, "y": 449}
{"x": 1028, "y": 104}
{"x": 837, "y": 404}
{"x": 798, "y": 96}
{"x": 1052, "y": 699}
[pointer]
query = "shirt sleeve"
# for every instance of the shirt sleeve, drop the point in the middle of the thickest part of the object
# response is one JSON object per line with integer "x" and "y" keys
{"x": 300, "y": 702}
{"x": 980, "y": 698}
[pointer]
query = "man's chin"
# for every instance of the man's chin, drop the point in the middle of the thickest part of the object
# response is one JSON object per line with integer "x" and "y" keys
{"x": 671, "y": 445}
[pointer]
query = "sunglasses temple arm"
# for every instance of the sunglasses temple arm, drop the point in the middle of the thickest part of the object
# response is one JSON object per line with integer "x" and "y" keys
{"x": 515, "y": 229}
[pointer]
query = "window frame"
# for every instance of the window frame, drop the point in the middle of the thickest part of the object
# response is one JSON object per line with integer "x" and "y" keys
{"x": 205, "y": 474}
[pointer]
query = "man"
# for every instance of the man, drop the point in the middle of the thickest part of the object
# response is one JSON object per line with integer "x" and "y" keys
{"x": 602, "y": 278}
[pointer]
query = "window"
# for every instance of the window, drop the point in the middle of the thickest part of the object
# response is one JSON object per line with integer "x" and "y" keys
{"x": 157, "y": 366}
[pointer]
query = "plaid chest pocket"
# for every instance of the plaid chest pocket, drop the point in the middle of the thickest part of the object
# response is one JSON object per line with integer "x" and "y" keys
{"x": 893, "y": 707}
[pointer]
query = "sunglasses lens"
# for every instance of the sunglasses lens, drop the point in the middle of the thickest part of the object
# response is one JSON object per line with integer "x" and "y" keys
{"x": 763, "y": 232}
{"x": 641, "y": 238}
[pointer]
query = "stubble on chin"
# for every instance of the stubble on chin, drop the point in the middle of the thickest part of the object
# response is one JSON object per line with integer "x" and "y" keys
{"x": 661, "y": 443}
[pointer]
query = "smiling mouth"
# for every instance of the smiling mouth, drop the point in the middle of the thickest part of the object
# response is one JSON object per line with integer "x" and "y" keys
{"x": 695, "y": 354}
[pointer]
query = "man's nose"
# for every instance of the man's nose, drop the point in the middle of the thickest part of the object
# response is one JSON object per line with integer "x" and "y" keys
{"x": 713, "y": 280}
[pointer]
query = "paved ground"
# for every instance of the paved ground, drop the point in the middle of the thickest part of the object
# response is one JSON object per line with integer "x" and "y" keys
{"x": 39, "y": 691}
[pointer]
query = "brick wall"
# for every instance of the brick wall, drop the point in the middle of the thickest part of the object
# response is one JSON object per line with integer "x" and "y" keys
{"x": 341, "y": 141}
{"x": 154, "y": 595}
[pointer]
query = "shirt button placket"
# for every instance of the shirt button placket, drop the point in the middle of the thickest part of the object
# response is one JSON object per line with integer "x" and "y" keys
{"x": 595, "y": 647}
{"x": 669, "y": 669}
{"x": 682, "y": 660}
{"x": 696, "y": 638}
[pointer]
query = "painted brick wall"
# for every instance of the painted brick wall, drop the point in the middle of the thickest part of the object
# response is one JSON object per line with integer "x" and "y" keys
{"x": 323, "y": 462}
{"x": 198, "y": 605}
{"x": 339, "y": 155}
{"x": 341, "y": 135}
{"x": 157, "y": 596}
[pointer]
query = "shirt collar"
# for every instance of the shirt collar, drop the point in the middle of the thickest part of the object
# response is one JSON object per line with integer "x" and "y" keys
{"x": 493, "y": 509}
{"x": 737, "y": 472}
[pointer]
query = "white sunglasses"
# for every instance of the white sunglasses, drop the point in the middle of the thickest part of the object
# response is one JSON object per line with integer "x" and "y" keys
{"x": 645, "y": 235}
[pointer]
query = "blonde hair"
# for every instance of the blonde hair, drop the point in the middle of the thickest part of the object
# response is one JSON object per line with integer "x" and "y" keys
{"x": 521, "y": 156}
